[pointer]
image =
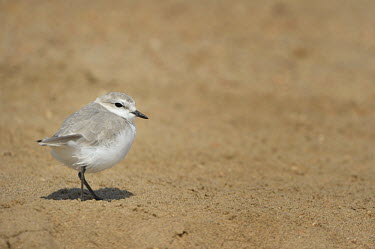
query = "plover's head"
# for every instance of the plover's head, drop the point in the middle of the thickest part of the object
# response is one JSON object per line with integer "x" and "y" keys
{"x": 120, "y": 104}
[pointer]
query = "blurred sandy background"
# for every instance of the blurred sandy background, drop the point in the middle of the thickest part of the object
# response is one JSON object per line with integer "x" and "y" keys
{"x": 261, "y": 130}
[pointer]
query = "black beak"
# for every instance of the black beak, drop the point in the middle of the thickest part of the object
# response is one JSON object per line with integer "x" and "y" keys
{"x": 139, "y": 114}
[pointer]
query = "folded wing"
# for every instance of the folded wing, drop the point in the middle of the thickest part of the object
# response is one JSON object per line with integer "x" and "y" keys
{"x": 59, "y": 141}
{"x": 89, "y": 125}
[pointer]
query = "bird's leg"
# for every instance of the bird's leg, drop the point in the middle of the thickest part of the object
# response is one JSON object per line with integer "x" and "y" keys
{"x": 81, "y": 177}
{"x": 83, "y": 181}
{"x": 91, "y": 191}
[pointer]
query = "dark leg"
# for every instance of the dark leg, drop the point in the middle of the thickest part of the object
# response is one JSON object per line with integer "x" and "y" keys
{"x": 81, "y": 176}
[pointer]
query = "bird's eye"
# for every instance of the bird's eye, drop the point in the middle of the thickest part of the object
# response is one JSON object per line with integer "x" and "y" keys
{"x": 118, "y": 105}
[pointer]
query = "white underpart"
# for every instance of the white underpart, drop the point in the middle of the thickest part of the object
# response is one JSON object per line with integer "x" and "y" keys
{"x": 99, "y": 157}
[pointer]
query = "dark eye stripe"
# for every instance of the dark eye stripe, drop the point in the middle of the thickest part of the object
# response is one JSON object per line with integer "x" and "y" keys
{"x": 118, "y": 105}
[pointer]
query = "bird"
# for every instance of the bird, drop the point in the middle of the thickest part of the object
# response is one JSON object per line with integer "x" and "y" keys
{"x": 96, "y": 137}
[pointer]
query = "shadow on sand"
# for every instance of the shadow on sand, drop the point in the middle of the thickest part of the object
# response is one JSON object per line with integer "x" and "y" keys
{"x": 107, "y": 194}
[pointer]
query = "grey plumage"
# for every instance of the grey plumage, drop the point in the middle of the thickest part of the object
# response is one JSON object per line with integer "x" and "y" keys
{"x": 89, "y": 125}
{"x": 58, "y": 141}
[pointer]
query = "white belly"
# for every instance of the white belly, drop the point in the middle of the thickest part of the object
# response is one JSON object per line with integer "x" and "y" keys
{"x": 95, "y": 158}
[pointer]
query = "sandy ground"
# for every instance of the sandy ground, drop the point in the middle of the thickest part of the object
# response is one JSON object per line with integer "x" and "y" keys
{"x": 261, "y": 130}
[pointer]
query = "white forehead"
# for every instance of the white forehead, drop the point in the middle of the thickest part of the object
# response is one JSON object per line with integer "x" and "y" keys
{"x": 115, "y": 97}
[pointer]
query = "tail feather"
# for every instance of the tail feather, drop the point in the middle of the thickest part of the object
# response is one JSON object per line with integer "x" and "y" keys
{"x": 59, "y": 141}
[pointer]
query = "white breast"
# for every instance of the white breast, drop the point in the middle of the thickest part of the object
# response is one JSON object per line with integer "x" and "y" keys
{"x": 99, "y": 157}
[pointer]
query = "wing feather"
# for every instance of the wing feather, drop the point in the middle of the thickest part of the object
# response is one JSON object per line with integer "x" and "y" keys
{"x": 92, "y": 123}
{"x": 59, "y": 141}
